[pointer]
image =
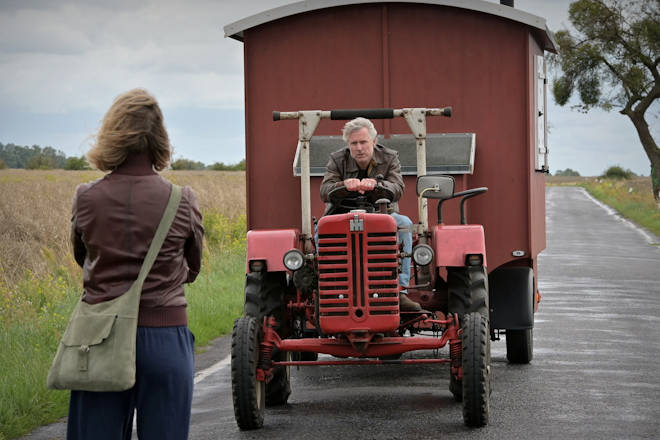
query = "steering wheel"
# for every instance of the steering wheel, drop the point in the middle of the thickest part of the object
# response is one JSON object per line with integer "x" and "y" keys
{"x": 343, "y": 199}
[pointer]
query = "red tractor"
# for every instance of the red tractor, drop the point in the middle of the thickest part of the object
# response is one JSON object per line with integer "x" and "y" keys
{"x": 338, "y": 294}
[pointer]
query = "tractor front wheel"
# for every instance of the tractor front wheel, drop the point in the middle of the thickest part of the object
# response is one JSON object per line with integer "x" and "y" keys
{"x": 278, "y": 388}
{"x": 248, "y": 393}
{"x": 476, "y": 370}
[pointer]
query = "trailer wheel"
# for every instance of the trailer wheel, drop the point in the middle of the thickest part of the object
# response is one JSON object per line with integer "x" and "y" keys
{"x": 468, "y": 290}
{"x": 520, "y": 346}
{"x": 248, "y": 393}
{"x": 278, "y": 389}
{"x": 476, "y": 370}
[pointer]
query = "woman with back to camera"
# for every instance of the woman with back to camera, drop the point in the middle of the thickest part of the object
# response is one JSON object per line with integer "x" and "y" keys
{"x": 114, "y": 221}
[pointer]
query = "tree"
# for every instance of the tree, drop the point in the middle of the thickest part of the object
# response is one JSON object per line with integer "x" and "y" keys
{"x": 41, "y": 161}
{"x": 617, "y": 44}
{"x": 617, "y": 172}
{"x": 76, "y": 163}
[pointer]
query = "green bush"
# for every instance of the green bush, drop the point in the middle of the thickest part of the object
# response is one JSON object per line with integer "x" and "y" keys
{"x": 187, "y": 164}
{"x": 3, "y": 165}
{"x": 567, "y": 173}
{"x": 221, "y": 166}
{"x": 222, "y": 233}
{"x": 76, "y": 163}
{"x": 617, "y": 172}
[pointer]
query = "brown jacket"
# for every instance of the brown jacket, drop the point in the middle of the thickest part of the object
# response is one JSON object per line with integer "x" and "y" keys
{"x": 342, "y": 166}
{"x": 114, "y": 221}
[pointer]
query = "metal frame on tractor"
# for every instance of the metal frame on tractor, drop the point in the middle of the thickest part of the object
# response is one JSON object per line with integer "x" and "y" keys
{"x": 340, "y": 296}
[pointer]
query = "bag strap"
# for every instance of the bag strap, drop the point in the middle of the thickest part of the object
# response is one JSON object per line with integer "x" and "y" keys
{"x": 161, "y": 233}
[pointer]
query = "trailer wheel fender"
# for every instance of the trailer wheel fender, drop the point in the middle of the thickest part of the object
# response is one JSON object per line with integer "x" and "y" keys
{"x": 511, "y": 298}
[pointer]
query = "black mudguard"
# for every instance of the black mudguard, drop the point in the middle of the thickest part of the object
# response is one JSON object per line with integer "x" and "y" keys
{"x": 511, "y": 298}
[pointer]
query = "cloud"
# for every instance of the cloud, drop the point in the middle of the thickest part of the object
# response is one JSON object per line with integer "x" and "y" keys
{"x": 80, "y": 55}
{"x": 63, "y": 62}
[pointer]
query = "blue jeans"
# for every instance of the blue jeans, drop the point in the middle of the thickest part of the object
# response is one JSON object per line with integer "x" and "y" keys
{"x": 405, "y": 237}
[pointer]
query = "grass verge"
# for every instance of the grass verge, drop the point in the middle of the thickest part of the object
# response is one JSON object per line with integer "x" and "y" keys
{"x": 630, "y": 201}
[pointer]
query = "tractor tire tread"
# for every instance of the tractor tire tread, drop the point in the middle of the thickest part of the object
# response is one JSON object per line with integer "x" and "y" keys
{"x": 248, "y": 409}
{"x": 476, "y": 370}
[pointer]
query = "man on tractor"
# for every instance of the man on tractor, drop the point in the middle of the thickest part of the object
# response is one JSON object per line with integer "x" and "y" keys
{"x": 361, "y": 167}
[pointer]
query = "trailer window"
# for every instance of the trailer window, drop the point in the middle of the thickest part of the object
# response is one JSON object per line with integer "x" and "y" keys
{"x": 541, "y": 120}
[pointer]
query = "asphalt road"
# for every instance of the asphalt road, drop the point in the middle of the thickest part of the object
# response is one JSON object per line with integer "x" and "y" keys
{"x": 595, "y": 373}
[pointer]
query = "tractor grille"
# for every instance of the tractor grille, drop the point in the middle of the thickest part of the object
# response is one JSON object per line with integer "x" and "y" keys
{"x": 358, "y": 276}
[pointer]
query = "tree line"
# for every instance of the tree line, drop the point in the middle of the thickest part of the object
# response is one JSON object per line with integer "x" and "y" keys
{"x": 38, "y": 158}
{"x": 46, "y": 158}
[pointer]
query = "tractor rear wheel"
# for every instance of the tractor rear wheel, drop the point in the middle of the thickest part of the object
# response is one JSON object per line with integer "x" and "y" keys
{"x": 249, "y": 394}
{"x": 468, "y": 290}
{"x": 456, "y": 387}
{"x": 520, "y": 346}
{"x": 278, "y": 389}
{"x": 476, "y": 370}
{"x": 264, "y": 294}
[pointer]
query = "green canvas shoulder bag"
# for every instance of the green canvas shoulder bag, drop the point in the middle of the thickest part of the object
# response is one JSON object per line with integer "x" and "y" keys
{"x": 97, "y": 350}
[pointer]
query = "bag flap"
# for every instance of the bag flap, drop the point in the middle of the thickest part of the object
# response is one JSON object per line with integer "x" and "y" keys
{"x": 88, "y": 330}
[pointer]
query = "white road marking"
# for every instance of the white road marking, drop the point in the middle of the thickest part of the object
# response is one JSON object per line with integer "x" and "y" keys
{"x": 203, "y": 374}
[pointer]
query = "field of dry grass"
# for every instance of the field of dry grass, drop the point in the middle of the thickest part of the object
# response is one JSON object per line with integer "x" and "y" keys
{"x": 35, "y": 212}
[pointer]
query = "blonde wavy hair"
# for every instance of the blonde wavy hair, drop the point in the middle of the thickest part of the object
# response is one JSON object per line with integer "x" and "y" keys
{"x": 133, "y": 124}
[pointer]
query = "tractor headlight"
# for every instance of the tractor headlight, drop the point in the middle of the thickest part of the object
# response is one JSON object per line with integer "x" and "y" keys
{"x": 293, "y": 259}
{"x": 422, "y": 254}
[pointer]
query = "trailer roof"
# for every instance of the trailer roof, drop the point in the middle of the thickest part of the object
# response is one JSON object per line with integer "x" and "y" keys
{"x": 543, "y": 34}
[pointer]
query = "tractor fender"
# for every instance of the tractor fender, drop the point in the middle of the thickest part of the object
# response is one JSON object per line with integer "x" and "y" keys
{"x": 451, "y": 244}
{"x": 511, "y": 298}
{"x": 269, "y": 246}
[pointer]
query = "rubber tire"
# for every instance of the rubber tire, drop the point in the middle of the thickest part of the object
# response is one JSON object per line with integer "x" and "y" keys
{"x": 467, "y": 290}
{"x": 476, "y": 370}
{"x": 264, "y": 294}
{"x": 249, "y": 394}
{"x": 456, "y": 387}
{"x": 520, "y": 346}
{"x": 278, "y": 389}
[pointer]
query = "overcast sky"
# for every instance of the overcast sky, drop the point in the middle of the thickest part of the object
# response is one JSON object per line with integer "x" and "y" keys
{"x": 63, "y": 62}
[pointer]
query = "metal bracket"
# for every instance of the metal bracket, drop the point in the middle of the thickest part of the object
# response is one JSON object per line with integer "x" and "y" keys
{"x": 416, "y": 119}
{"x": 307, "y": 123}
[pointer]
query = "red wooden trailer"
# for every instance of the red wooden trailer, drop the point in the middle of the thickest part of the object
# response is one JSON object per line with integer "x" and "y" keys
{"x": 484, "y": 59}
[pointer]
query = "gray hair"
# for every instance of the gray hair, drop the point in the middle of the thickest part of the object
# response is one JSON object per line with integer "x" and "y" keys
{"x": 358, "y": 124}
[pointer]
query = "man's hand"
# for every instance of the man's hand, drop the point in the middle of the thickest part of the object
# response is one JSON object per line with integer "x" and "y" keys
{"x": 352, "y": 184}
{"x": 367, "y": 185}
{"x": 360, "y": 185}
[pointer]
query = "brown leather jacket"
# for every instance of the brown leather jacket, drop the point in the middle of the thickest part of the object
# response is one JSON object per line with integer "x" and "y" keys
{"x": 114, "y": 221}
{"x": 342, "y": 166}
